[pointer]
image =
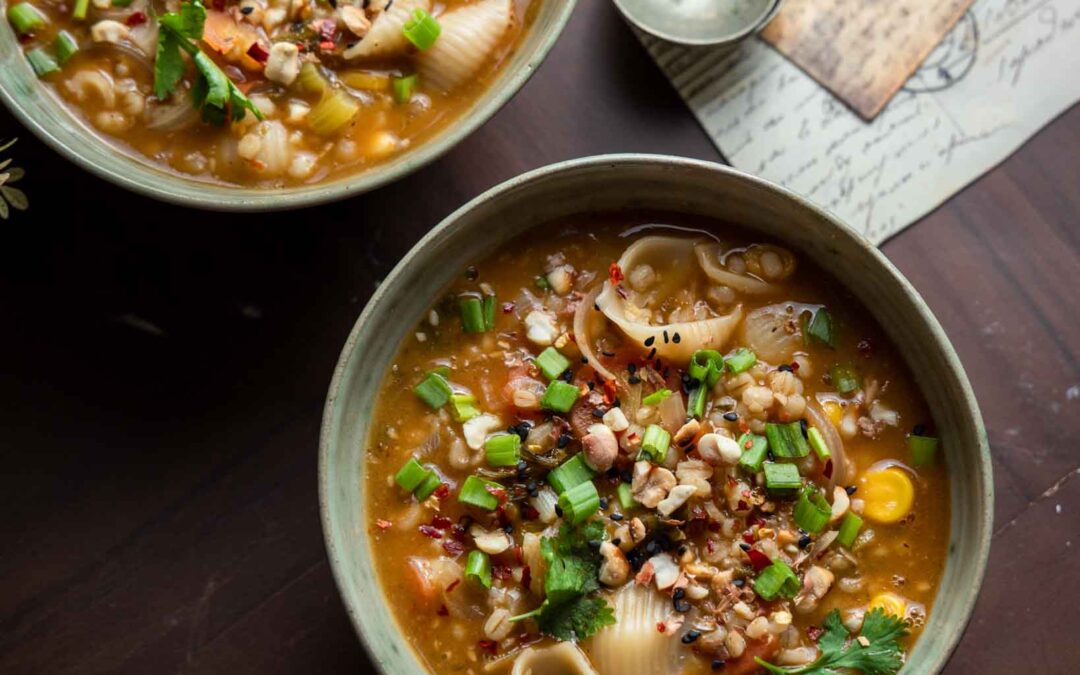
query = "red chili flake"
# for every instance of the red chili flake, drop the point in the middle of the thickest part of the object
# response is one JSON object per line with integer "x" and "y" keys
{"x": 748, "y": 537}
{"x": 453, "y": 548}
{"x": 383, "y": 524}
{"x": 744, "y": 427}
{"x": 519, "y": 553}
{"x": 710, "y": 545}
{"x": 754, "y": 519}
{"x": 429, "y": 531}
{"x": 529, "y": 513}
{"x": 453, "y": 585}
{"x": 26, "y": 37}
{"x": 741, "y": 506}
{"x": 795, "y": 366}
{"x": 441, "y": 522}
{"x": 501, "y": 572}
{"x": 814, "y": 632}
{"x": 219, "y": 5}
{"x": 257, "y": 52}
{"x": 661, "y": 627}
{"x": 615, "y": 273}
{"x": 136, "y": 19}
{"x": 442, "y": 611}
{"x": 489, "y": 646}
{"x": 713, "y": 527}
{"x": 610, "y": 392}
{"x": 458, "y": 532}
{"x": 865, "y": 347}
{"x": 526, "y": 576}
{"x": 327, "y": 45}
{"x": 508, "y": 307}
{"x": 442, "y": 492}
{"x": 758, "y": 560}
{"x": 828, "y": 469}
{"x": 497, "y": 492}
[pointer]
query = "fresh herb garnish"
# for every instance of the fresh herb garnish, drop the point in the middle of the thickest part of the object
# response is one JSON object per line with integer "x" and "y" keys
{"x": 213, "y": 91}
{"x": 568, "y": 612}
{"x": 876, "y": 651}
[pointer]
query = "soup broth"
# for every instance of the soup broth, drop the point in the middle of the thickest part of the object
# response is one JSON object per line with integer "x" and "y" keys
{"x": 617, "y": 446}
{"x": 269, "y": 93}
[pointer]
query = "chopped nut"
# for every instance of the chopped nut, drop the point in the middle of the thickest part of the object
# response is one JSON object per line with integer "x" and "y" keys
{"x": 614, "y": 570}
{"x": 686, "y": 433}
{"x": 354, "y": 19}
{"x": 600, "y": 447}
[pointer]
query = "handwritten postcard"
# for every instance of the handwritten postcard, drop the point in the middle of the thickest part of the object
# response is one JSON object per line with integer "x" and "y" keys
{"x": 1004, "y": 71}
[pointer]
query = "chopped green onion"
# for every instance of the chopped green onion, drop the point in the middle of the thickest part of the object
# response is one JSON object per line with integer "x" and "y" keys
{"x": 706, "y": 365}
{"x": 786, "y": 440}
{"x": 656, "y": 397}
{"x": 434, "y": 390}
{"x": 551, "y": 363}
{"x": 570, "y": 473}
{"x": 26, "y": 19}
{"x": 579, "y": 502}
{"x": 777, "y": 580}
{"x": 65, "y": 46}
{"x": 543, "y": 283}
{"x": 849, "y": 529}
{"x": 560, "y": 396}
{"x": 697, "y": 402}
{"x": 654, "y": 445}
{"x": 923, "y": 449}
{"x": 41, "y": 62}
{"x": 811, "y": 510}
{"x": 845, "y": 379}
{"x": 472, "y": 313}
{"x": 478, "y": 568}
{"x": 121, "y": 3}
{"x": 754, "y": 449}
{"x": 781, "y": 479}
{"x": 820, "y": 328}
{"x": 78, "y": 12}
{"x": 474, "y": 492}
{"x": 502, "y": 450}
{"x": 626, "y": 497}
{"x": 741, "y": 360}
{"x": 817, "y": 442}
{"x": 441, "y": 370}
{"x": 463, "y": 407}
{"x": 411, "y": 475}
{"x": 422, "y": 29}
{"x": 489, "y": 312}
{"x": 429, "y": 485}
{"x": 402, "y": 88}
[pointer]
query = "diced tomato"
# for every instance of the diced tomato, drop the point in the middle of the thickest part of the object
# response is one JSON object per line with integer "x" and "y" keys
{"x": 136, "y": 19}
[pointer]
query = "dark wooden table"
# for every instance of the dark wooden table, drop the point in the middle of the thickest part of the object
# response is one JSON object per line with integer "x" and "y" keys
{"x": 164, "y": 372}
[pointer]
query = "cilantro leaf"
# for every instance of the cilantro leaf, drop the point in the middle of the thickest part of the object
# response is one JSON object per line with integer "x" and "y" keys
{"x": 882, "y": 654}
{"x": 169, "y": 65}
{"x": 577, "y": 619}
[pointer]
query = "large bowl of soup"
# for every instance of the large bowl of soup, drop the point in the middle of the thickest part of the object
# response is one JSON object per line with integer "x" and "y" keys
{"x": 265, "y": 104}
{"x": 639, "y": 414}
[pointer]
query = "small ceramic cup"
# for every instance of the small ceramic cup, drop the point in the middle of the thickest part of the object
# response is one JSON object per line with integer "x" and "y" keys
{"x": 699, "y": 22}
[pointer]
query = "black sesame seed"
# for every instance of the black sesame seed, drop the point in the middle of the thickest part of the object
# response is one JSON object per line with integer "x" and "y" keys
{"x": 594, "y": 544}
{"x": 784, "y": 368}
{"x": 521, "y": 466}
{"x": 564, "y": 440}
{"x": 627, "y": 476}
{"x": 633, "y": 379}
{"x": 471, "y": 273}
{"x": 598, "y": 412}
{"x": 666, "y": 339}
{"x": 596, "y": 306}
{"x": 584, "y": 359}
{"x": 650, "y": 340}
{"x": 803, "y": 426}
{"x": 509, "y": 529}
{"x": 919, "y": 430}
{"x": 603, "y": 504}
{"x": 770, "y": 455}
{"x": 247, "y": 10}
{"x": 616, "y": 541}
{"x": 717, "y": 664}
{"x": 682, "y": 606}
{"x": 804, "y": 542}
{"x": 608, "y": 354}
{"x": 616, "y": 517}
{"x": 676, "y": 338}
{"x": 558, "y": 510}
{"x": 738, "y": 583}
{"x": 731, "y": 416}
{"x": 690, "y": 636}
{"x": 851, "y": 489}
{"x": 592, "y": 385}
{"x": 681, "y": 550}
{"x": 679, "y": 593}
{"x": 631, "y": 368}
{"x": 744, "y": 546}
{"x": 568, "y": 376}
{"x": 652, "y": 353}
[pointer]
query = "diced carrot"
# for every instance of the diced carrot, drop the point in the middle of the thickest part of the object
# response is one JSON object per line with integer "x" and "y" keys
{"x": 231, "y": 39}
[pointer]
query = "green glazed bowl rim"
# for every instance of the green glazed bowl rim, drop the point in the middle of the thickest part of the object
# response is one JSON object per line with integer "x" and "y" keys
{"x": 931, "y": 659}
{"x": 43, "y": 113}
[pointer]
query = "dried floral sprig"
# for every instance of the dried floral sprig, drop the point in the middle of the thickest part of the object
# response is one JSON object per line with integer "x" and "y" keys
{"x": 10, "y": 197}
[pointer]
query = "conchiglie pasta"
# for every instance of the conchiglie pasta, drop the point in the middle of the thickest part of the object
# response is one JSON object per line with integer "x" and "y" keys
{"x": 633, "y": 646}
{"x": 469, "y": 37}
{"x": 386, "y": 38}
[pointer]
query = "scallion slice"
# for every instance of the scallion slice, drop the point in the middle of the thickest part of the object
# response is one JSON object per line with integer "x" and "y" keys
{"x": 579, "y": 502}
{"x": 463, "y": 407}
{"x": 923, "y": 449}
{"x": 560, "y": 396}
{"x": 656, "y": 397}
{"x": 819, "y": 328}
{"x": 551, "y": 363}
{"x": 706, "y": 365}
{"x": 741, "y": 360}
{"x": 781, "y": 479}
{"x": 489, "y": 312}
{"x": 26, "y": 19}
{"x": 478, "y": 568}
{"x": 777, "y": 580}
{"x": 441, "y": 370}
{"x": 41, "y": 62}
{"x": 849, "y": 529}
{"x": 429, "y": 485}
{"x": 475, "y": 492}
{"x": 570, "y": 473}
{"x": 434, "y": 390}
{"x": 626, "y": 497}
{"x": 845, "y": 379}
{"x": 655, "y": 443}
{"x": 786, "y": 440}
{"x": 422, "y": 29}
{"x": 817, "y": 442}
{"x": 811, "y": 510}
{"x": 696, "y": 409}
{"x": 65, "y": 46}
{"x": 78, "y": 11}
{"x": 472, "y": 313}
{"x": 754, "y": 449}
{"x": 502, "y": 450}
{"x": 402, "y": 88}
{"x": 411, "y": 475}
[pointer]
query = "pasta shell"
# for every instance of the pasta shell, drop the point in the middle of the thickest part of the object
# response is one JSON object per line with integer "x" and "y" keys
{"x": 468, "y": 40}
{"x": 562, "y": 659}
{"x": 708, "y": 255}
{"x": 693, "y": 335}
{"x": 633, "y": 646}
{"x": 385, "y": 38}
{"x": 773, "y": 333}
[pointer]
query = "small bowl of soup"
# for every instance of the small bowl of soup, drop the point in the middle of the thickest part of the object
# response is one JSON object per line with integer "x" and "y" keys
{"x": 639, "y": 414}
{"x": 265, "y": 104}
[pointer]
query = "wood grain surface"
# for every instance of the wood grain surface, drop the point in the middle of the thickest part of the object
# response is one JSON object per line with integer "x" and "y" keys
{"x": 165, "y": 370}
{"x": 862, "y": 50}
